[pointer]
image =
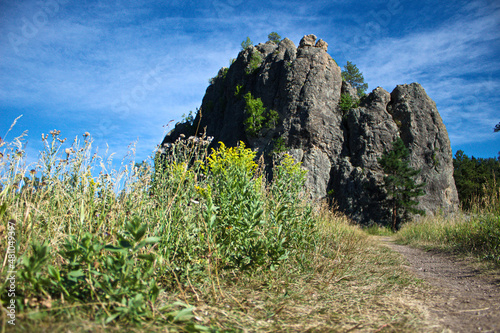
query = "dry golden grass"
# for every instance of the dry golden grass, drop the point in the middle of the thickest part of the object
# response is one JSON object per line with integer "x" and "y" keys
{"x": 348, "y": 283}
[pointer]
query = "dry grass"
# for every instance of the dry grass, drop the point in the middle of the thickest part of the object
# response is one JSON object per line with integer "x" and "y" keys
{"x": 476, "y": 233}
{"x": 348, "y": 283}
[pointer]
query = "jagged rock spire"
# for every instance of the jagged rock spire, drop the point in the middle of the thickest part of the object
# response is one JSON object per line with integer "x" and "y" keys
{"x": 340, "y": 149}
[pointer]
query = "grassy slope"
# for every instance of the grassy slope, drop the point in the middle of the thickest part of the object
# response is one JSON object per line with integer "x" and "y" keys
{"x": 475, "y": 233}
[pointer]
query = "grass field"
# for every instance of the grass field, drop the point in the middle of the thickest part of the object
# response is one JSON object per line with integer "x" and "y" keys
{"x": 200, "y": 243}
{"x": 474, "y": 232}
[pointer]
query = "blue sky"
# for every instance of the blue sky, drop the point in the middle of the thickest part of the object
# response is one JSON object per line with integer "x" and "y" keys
{"x": 123, "y": 70}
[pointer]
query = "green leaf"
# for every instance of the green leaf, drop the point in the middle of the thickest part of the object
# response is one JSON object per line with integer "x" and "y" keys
{"x": 257, "y": 215}
{"x": 111, "y": 318}
{"x": 152, "y": 240}
{"x": 115, "y": 249}
{"x": 74, "y": 275}
{"x": 253, "y": 234}
{"x": 184, "y": 315}
{"x": 140, "y": 233}
{"x": 3, "y": 209}
{"x": 125, "y": 244}
{"x": 54, "y": 272}
{"x": 154, "y": 291}
{"x": 150, "y": 257}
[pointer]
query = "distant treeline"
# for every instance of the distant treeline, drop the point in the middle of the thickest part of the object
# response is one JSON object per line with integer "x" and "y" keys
{"x": 477, "y": 179}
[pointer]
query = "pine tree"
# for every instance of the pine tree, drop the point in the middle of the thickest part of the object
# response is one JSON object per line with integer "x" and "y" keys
{"x": 476, "y": 178}
{"x": 400, "y": 184}
{"x": 246, "y": 43}
{"x": 274, "y": 37}
{"x": 354, "y": 77}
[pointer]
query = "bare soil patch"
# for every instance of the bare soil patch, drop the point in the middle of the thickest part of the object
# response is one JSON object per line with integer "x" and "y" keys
{"x": 463, "y": 296}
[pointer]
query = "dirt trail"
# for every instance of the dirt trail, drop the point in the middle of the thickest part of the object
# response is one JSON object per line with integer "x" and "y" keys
{"x": 462, "y": 298}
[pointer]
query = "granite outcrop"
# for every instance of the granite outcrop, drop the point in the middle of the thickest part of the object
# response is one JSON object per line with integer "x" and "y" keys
{"x": 339, "y": 148}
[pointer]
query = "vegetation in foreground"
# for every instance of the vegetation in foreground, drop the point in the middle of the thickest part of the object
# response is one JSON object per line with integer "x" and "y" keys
{"x": 200, "y": 243}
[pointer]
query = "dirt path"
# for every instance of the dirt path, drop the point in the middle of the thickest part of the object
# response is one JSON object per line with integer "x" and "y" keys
{"x": 462, "y": 298}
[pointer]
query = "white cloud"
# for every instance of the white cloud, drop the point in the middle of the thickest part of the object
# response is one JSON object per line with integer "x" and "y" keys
{"x": 454, "y": 63}
{"x": 122, "y": 69}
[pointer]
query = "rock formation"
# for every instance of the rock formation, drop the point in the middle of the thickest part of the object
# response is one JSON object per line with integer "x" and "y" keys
{"x": 340, "y": 149}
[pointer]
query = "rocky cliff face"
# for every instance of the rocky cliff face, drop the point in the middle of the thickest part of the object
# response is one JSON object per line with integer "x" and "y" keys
{"x": 340, "y": 149}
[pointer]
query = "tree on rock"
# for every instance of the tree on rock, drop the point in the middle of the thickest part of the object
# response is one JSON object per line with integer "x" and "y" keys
{"x": 274, "y": 37}
{"x": 246, "y": 43}
{"x": 400, "y": 184}
{"x": 354, "y": 77}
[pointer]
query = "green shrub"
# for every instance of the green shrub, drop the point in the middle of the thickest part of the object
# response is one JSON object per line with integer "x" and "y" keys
{"x": 222, "y": 74}
{"x": 234, "y": 213}
{"x": 272, "y": 119}
{"x": 279, "y": 146}
{"x": 347, "y": 103}
{"x": 240, "y": 224}
{"x": 274, "y": 37}
{"x": 238, "y": 90}
{"x": 255, "y": 110}
{"x": 254, "y": 64}
{"x": 246, "y": 43}
{"x": 258, "y": 116}
{"x": 188, "y": 119}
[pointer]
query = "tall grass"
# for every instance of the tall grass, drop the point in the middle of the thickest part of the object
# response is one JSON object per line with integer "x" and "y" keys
{"x": 109, "y": 243}
{"x": 476, "y": 231}
{"x": 181, "y": 245}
